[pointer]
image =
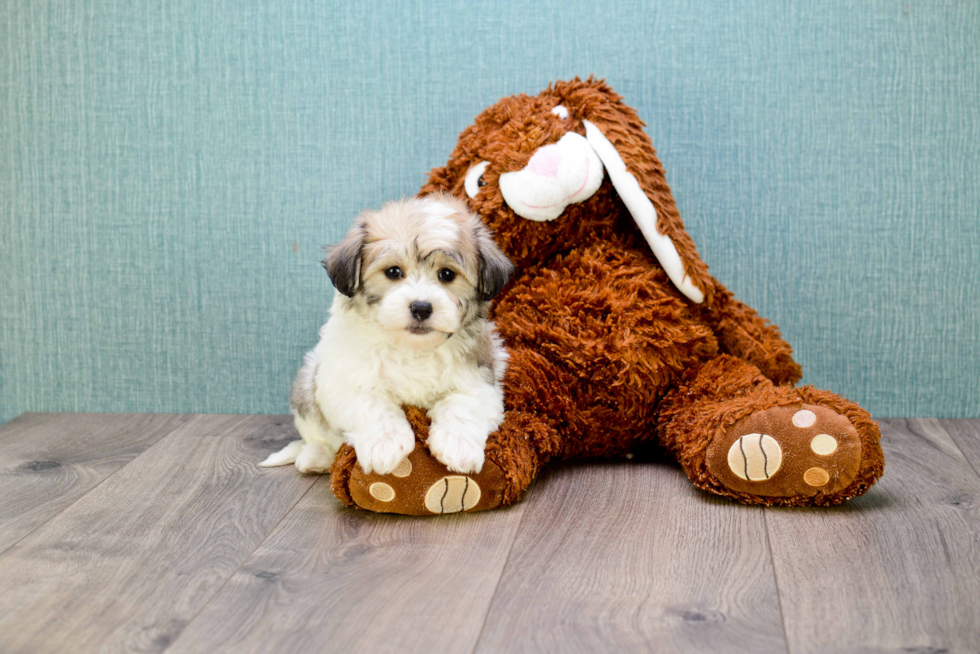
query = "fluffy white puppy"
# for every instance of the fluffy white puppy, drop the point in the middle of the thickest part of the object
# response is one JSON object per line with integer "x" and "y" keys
{"x": 408, "y": 326}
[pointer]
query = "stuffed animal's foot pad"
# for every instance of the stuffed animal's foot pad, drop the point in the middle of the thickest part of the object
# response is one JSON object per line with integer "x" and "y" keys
{"x": 787, "y": 451}
{"x": 420, "y": 485}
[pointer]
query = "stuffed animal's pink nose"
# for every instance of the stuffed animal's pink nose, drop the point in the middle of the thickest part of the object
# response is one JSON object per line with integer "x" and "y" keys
{"x": 545, "y": 161}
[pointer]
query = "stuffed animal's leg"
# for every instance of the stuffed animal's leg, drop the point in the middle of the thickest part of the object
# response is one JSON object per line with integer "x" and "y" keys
{"x": 423, "y": 486}
{"x": 737, "y": 434}
{"x": 742, "y": 333}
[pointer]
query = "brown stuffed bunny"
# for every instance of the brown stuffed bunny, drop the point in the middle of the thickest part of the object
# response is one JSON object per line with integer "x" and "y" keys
{"x": 617, "y": 332}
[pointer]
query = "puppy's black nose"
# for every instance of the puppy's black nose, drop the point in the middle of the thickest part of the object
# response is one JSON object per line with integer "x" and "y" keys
{"x": 420, "y": 310}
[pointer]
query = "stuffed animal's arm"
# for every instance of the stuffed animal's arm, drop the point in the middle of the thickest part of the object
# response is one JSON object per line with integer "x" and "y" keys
{"x": 742, "y": 333}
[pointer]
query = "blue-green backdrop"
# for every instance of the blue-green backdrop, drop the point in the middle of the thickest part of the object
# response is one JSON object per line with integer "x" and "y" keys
{"x": 170, "y": 169}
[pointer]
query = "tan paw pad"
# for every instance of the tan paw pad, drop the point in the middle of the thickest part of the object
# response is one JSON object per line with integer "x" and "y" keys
{"x": 816, "y": 477}
{"x": 403, "y": 469}
{"x": 452, "y": 494}
{"x": 804, "y": 418}
{"x": 382, "y": 491}
{"x": 755, "y": 457}
{"x": 823, "y": 444}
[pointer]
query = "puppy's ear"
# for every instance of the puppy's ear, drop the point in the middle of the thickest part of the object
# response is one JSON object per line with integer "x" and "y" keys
{"x": 343, "y": 261}
{"x": 495, "y": 267}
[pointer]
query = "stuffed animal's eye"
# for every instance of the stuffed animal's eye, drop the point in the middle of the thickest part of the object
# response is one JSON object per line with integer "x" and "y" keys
{"x": 446, "y": 275}
{"x": 393, "y": 273}
{"x": 474, "y": 178}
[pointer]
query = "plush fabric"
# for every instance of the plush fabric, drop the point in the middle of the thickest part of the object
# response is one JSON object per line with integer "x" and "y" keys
{"x": 608, "y": 351}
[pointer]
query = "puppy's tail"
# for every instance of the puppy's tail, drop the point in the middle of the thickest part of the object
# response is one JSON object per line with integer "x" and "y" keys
{"x": 283, "y": 457}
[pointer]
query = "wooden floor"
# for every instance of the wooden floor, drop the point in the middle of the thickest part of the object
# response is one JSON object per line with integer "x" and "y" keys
{"x": 158, "y": 533}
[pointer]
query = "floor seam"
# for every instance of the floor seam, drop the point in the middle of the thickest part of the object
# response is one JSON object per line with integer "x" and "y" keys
{"x": 240, "y": 565}
{"x": 503, "y": 568}
{"x": 775, "y": 581}
{"x": 959, "y": 449}
{"x": 89, "y": 491}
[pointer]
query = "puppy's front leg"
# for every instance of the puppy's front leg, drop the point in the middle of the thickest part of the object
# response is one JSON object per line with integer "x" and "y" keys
{"x": 461, "y": 423}
{"x": 374, "y": 426}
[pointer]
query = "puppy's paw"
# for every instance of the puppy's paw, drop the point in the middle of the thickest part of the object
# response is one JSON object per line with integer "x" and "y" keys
{"x": 458, "y": 446}
{"x": 315, "y": 458}
{"x": 381, "y": 451}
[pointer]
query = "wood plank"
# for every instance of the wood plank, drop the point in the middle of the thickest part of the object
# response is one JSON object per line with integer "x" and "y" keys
{"x": 621, "y": 556}
{"x": 128, "y": 565}
{"x": 49, "y": 460}
{"x": 895, "y": 570}
{"x": 339, "y": 580}
{"x": 966, "y": 435}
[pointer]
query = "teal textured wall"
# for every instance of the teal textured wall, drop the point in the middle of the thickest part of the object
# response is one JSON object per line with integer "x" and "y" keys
{"x": 169, "y": 171}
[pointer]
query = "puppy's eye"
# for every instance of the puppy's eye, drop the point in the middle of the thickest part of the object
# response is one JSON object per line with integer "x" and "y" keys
{"x": 474, "y": 178}
{"x": 393, "y": 273}
{"x": 446, "y": 275}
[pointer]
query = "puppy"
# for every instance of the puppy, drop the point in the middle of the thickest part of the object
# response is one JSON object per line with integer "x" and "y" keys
{"x": 408, "y": 326}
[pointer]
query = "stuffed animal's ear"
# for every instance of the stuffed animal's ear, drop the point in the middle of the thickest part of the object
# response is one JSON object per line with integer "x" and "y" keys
{"x": 343, "y": 261}
{"x": 616, "y": 133}
{"x": 440, "y": 179}
{"x": 495, "y": 267}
